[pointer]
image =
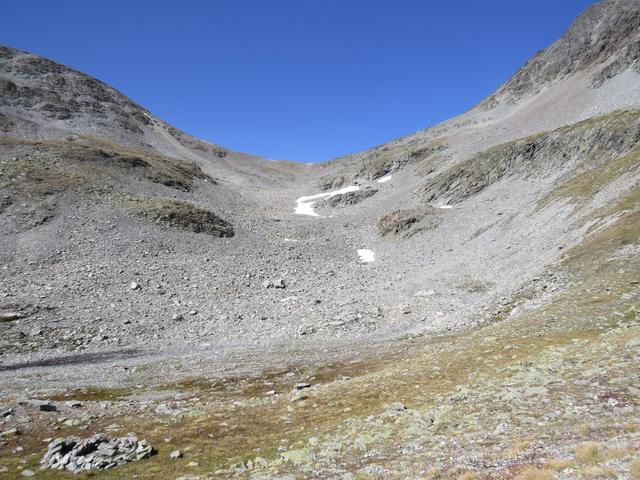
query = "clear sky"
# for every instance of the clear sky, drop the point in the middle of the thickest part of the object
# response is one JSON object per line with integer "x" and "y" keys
{"x": 303, "y": 80}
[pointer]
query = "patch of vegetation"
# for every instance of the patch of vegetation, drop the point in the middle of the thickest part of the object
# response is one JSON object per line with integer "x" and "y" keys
{"x": 475, "y": 286}
{"x": 588, "y": 454}
{"x": 92, "y": 394}
{"x": 403, "y": 222}
{"x": 181, "y": 215}
{"x": 532, "y": 473}
{"x": 585, "y": 185}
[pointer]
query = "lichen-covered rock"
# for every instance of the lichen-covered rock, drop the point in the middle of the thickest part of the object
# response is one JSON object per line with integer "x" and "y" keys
{"x": 98, "y": 452}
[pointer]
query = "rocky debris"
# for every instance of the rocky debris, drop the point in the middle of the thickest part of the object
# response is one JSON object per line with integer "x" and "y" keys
{"x": 12, "y": 432}
{"x": 27, "y": 473}
{"x": 176, "y": 454}
{"x": 400, "y": 222}
{"x": 6, "y": 413}
{"x": 98, "y": 452}
{"x": 10, "y": 316}
{"x": 301, "y": 385}
{"x": 425, "y": 293}
{"x": 135, "y": 286}
{"x": 16, "y": 311}
{"x": 177, "y": 317}
{"x": 277, "y": 283}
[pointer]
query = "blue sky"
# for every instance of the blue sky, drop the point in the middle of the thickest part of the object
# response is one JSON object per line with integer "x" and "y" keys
{"x": 300, "y": 79}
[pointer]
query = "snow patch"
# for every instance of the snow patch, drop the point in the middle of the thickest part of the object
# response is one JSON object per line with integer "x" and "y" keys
{"x": 366, "y": 255}
{"x": 304, "y": 205}
{"x": 384, "y": 179}
{"x": 446, "y": 207}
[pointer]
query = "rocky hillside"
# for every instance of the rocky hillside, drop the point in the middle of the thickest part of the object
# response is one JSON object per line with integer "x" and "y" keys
{"x": 604, "y": 40}
{"x": 462, "y": 302}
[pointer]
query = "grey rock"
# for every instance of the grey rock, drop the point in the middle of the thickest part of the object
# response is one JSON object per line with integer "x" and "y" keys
{"x": 277, "y": 283}
{"x": 10, "y": 316}
{"x": 176, "y": 454}
{"x": 95, "y": 453}
{"x": 10, "y": 433}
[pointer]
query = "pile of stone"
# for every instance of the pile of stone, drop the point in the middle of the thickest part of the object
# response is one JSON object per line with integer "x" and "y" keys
{"x": 98, "y": 452}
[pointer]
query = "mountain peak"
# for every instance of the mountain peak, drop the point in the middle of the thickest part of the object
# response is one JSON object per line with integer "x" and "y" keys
{"x": 604, "y": 40}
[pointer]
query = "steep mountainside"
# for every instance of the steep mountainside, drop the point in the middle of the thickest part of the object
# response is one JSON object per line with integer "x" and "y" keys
{"x": 462, "y": 302}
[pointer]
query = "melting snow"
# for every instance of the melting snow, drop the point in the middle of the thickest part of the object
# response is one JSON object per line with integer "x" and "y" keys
{"x": 445, "y": 206}
{"x": 386, "y": 178}
{"x": 304, "y": 205}
{"x": 366, "y": 255}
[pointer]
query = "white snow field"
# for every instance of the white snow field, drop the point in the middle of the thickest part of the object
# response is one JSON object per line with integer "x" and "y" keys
{"x": 304, "y": 205}
{"x": 366, "y": 255}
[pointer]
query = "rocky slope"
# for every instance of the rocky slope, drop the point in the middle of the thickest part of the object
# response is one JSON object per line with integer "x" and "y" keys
{"x": 466, "y": 305}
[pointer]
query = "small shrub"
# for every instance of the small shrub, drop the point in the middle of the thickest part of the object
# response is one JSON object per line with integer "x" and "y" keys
{"x": 595, "y": 471}
{"x": 468, "y": 476}
{"x": 588, "y": 453}
{"x": 634, "y": 470}
{"x": 557, "y": 464}
{"x": 614, "y": 453}
{"x": 532, "y": 473}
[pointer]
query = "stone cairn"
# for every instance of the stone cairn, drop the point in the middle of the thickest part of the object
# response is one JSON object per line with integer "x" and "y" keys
{"x": 98, "y": 452}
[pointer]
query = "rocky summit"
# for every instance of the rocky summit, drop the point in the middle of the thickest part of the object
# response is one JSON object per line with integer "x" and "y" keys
{"x": 459, "y": 303}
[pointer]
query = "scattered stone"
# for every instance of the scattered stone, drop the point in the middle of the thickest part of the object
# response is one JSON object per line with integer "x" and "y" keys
{"x": 47, "y": 407}
{"x": 135, "y": 286}
{"x": 398, "y": 407}
{"x": 176, "y": 454}
{"x": 193, "y": 464}
{"x": 301, "y": 386}
{"x": 6, "y": 413}
{"x": 27, "y": 473}
{"x": 177, "y": 317}
{"x": 279, "y": 283}
{"x": 11, "y": 316}
{"x": 9, "y": 433}
{"x": 425, "y": 293}
{"x": 73, "y": 404}
{"x": 98, "y": 452}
